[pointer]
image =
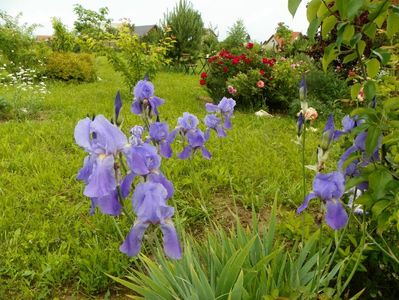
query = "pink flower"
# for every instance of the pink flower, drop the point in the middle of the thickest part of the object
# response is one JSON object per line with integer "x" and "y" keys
{"x": 231, "y": 90}
{"x": 311, "y": 114}
{"x": 260, "y": 84}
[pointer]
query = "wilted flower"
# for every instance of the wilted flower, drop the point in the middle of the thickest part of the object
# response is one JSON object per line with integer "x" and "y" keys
{"x": 231, "y": 90}
{"x": 149, "y": 204}
{"x": 329, "y": 188}
{"x": 360, "y": 95}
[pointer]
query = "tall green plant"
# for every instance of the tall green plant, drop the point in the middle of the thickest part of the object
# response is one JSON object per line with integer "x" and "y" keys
{"x": 357, "y": 25}
{"x": 237, "y": 35}
{"x": 244, "y": 264}
{"x": 134, "y": 58}
{"x": 187, "y": 28}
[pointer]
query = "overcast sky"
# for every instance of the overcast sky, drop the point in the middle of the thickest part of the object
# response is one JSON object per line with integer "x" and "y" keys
{"x": 260, "y": 16}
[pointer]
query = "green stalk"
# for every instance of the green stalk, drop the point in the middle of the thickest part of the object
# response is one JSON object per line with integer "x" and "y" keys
{"x": 319, "y": 268}
{"x": 303, "y": 175}
{"x": 361, "y": 246}
{"x": 338, "y": 244}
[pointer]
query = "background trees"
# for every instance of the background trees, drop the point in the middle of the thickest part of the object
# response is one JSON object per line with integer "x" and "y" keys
{"x": 187, "y": 28}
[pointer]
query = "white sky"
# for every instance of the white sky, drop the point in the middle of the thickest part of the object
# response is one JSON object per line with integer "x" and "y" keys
{"x": 260, "y": 16}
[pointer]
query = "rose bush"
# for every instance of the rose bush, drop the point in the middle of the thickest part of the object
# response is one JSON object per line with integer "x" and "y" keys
{"x": 243, "y": 72}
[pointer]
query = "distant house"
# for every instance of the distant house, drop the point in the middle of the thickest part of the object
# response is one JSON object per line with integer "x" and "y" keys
{"x": 144, "y": 30}
{"x": 44, "y": 38}
{"x": 277, "y": 43}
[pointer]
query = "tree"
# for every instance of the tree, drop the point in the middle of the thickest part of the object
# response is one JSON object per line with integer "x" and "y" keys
{"x": 17, "y": 44}
{"x": 187, "y": 28}
{"x": 63, "y": 40}
{"x": 237, "y": 35}
{"x": 92, "y": 27}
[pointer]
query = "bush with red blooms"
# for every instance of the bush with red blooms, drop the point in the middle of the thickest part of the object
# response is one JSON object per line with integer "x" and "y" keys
{"x": 243, "y": 73}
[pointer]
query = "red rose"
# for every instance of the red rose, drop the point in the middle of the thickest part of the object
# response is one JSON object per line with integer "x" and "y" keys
{"x": 236, "y": 60}
{"x": 225, "y": 69}
{"x": 262, "y": 72}
{"x": 250, "y": 45}
{"x": 202, "y": 82}
{"x": 204, "y": 75}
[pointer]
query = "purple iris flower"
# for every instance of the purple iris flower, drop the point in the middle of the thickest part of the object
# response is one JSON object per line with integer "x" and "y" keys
{"x": 136, "y": 133}
{"x": 102, "y": 140}
{"x": 300, "y": 122}
{"x": 117, "y": 105}
{"x": 144, "y": 98}
{"x": 225, "y": 107}
{"x": 149, "y": 204}
{"x": 159, "y": 133}
{"x": 187, "y": 122}
{"x": 329, "y": 188}
{"x": 353, "y": 169}
{"x": 143, "y": 159}
{"x": 196, "y": 140}
{"x": 302, "y": 89}
{"x": 348, "y": 123}
{"x": 329, "y": 133}
{"x": 213, "y": 122}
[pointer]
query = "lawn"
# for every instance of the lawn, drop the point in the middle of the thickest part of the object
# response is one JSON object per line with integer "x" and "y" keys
{"x": 49, "y": 243}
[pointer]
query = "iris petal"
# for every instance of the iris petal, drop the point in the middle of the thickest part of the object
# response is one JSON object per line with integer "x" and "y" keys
{"x": 305, "y": 203}
{"x": 132, "y": 244}
{"x": 171, "y": 242}
{"x": 336, "y": 216}
{"x": 82, "y": 134}
{"x": 102, "y": 180}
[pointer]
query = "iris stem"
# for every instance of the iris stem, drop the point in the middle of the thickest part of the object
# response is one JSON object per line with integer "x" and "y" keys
{"x": 338, "y": 244}
{"x": 120, "y": 198}
{"x": 303, "y": 175}
{"x": 118, "y": 229}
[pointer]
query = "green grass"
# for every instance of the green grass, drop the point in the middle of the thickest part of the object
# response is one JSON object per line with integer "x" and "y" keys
{"x": 49, "y": 244}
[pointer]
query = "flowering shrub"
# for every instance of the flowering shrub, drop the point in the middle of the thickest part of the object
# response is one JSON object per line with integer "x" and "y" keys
{"x": 28, "y": 92}
{"x": 116, "y": 163}
{"x": 246, "y": 75}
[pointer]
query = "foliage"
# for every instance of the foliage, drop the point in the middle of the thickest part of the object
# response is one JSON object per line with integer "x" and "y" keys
{"x": 237, "y": 36}
{"x": 25, "y": 94}
{"x": 186, "y": 28}
{"x": 245, "y": 76}
{"x": 326, "y": 92}
{"x": 17, "y": 44}
{"x": 249, "y": 263}
{"x": 70, "y": 66}
{"x": 92, "y": 27}
{"x": 210, "y": 43}
{"x": 62, "y": 40}
{"x": 59, "y": 250}
{"x": 355, "y": 24}
{"x": 133, "y": 58}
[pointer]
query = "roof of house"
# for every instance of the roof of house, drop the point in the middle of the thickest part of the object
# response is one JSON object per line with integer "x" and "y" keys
{"x": 144, "y": 29}
{"x": 280, "y": 41}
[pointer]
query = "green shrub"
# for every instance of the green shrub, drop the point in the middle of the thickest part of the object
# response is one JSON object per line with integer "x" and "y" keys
{"x": 286, "y": 76}
{"x": 71, "y": 67}
{"x": 242, "y": 73}
{"x": 5, "y": 108}
{"x": 325, "y": 92}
